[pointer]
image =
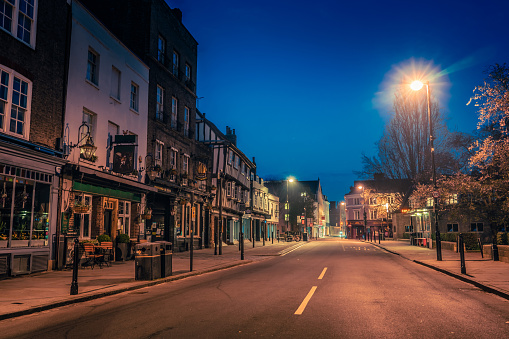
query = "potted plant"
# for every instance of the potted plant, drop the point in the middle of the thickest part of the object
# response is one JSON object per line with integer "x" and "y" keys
{"x": 80, "y": 207}
{"x": 122, "y": 242}
{"x": 103, "y": 237}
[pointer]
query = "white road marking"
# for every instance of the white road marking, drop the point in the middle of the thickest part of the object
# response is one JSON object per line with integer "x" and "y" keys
{"x": 305, "y": 301}
{"x": 323, "y": 273}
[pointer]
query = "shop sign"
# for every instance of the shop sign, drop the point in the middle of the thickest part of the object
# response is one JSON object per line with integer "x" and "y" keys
{"x": 123, "y": 158}
{"x": 201, "y": 171}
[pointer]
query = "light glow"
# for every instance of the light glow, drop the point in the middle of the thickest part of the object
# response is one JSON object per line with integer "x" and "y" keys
{"x": 416, "y": 85}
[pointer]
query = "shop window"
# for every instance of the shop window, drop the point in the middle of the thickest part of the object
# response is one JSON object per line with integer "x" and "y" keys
{"x": 124, "y": 217}
{"x": 24, "y": 208}
{"x": 409, "y": 228}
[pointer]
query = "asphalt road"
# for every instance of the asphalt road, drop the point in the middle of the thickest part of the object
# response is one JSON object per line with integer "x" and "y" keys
{"x": 325, "y": 289}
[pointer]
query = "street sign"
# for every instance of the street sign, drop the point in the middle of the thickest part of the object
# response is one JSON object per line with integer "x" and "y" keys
{"x": 435, "y": 194}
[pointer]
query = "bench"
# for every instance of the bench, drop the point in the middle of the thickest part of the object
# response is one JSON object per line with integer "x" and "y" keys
{"x": 106, "y": 249}
{"x": 91, "y": 257}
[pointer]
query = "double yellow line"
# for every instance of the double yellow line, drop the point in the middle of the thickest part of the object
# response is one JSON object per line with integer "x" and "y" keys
{"x": 304, "y": 303}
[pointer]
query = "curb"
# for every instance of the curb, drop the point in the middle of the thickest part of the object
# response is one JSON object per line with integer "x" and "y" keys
{"x": 76, "y": 300}
{"x": 477, "y": 284}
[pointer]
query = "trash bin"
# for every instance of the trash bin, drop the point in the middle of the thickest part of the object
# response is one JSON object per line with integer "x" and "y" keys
{"x": 305, "y": 236}
{"x": 166, "y": 258}
{"x": 147, "y": 261}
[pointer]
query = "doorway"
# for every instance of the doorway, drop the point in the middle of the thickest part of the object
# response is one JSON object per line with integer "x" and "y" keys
{"x": 107, "y": 222}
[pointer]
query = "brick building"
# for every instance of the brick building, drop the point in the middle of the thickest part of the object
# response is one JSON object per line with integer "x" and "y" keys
{"x": 32, "y": 97}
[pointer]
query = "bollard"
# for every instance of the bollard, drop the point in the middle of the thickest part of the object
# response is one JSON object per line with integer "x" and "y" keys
{"x": 462, "y": 254}
{"x": 263, "y": 237}
{"x": 191, "y": 252}
{"x": 272, "y": 237}
{"x": 379, "y": 238}
{"x": 74, "y": 284}
{"x": 480, "y": 246}
{"x": 241, "y": 245}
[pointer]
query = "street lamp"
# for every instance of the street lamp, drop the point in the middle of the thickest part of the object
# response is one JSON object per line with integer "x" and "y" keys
{"x": 364, "y": 212}
{"x": 417, "y": 85}
{"x": 287, "y": 205}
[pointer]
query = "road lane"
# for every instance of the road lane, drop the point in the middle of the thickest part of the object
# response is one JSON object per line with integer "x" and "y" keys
{"x": 365, "y": 292}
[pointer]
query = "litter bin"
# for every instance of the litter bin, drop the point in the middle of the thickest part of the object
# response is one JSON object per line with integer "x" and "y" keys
{"x": 147, "y": 261}
{"x": 305, "y": 236}
{"x": 166, "y": 258}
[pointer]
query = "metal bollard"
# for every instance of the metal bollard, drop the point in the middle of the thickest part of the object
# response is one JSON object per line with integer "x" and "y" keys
{"x": 462, "y": 254}
{"x": 74, "y": 284}
{"x": 241, "y": 245}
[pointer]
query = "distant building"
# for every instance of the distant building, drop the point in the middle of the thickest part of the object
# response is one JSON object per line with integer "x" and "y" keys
{"x": 370, "y": 205}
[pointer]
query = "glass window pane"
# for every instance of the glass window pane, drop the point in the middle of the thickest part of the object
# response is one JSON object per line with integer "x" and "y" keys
{"x": 22, "y": 213}
{"x": 41, "y": 215}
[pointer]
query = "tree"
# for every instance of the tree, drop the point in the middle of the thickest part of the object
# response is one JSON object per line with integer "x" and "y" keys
{"x": 483, "y": 191}
{"x": 403, "y": 150}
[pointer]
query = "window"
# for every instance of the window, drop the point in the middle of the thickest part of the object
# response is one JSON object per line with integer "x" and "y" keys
{"x": 173, "y": 162}
{"x": 373, "y": 214}
{"x": 372, "y": 201}
{"x": 229, "y": 189}
{"x": 451, "y": 199}
{"x": 477, "y": 227}
{"x": 18, "y": 18}
{"x": 134, "y": 96}
{"x": 452, "y": 227}
{"x": 93, "y": 67}
{"x": 15, "y": 97}
{"x": 356, "y": 201}
{"x": 174, "y": 104}
{"x": 112, "y": 131}
{"x": 188, "y": 72}
{"x": 390, "y": 200}
{"x": 89, "y": 119}
{"x": 175, "y": 69}
{"x": 161, "y": 49}
{"x": 124, "y": 217}
{"x": 237, "y": 162}
{"x": 429, "y": 202}
{"x": 115, "y": 83}
{"x": 159, "y": 153}
{"x": 82, "y": 221}
{"x": 409, "y": 228}
{"x": 230, "y": 157}
{"x": 234, "y": 191}
{"x": 243, "y": 168}
{"x": 185, "y": 164}
{"x": 356, "y": 215}
{"x": 160, "y": 103}
{"x": 186, "y": 121}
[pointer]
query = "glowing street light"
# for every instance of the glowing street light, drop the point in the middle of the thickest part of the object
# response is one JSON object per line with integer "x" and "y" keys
{"x": 417, "y": 85}
{"x": 287, "y": 206}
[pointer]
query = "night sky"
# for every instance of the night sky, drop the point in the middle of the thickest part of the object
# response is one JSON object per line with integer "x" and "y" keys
{"x": 308, "y": 85}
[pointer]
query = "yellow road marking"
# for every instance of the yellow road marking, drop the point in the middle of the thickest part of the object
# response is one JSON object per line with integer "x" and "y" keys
{"x": 306, "y": 300}
{"x": 323, "y": 273}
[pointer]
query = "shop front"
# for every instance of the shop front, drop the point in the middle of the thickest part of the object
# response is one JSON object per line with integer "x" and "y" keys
{"x": 28, "y": 208}
{"x": 100, "y": 206}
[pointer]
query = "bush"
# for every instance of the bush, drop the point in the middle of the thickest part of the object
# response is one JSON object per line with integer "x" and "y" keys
{"x": 470, "y": 240}
{"x": 103, "y": 237}
{"x": 452, "y": 237}
{"x": 122, "y": 239}
{"x": 502, "y": 238}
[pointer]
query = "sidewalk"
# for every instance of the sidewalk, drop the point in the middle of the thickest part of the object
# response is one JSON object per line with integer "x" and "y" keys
{"x": 486, "y": 274}
{"x": 46, "y": 290}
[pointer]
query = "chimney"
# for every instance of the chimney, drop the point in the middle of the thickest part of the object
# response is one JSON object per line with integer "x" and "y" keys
{"x": 178, "y": 14}
{"x": 230, "y": 135}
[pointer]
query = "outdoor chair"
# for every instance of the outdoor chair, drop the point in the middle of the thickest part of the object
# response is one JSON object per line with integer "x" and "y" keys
{"x": 92, "y": 258}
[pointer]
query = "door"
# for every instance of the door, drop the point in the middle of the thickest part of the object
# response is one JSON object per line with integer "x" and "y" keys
{"x": 107, "y": 222}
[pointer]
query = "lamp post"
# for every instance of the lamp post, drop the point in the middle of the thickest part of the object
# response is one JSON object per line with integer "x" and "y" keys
{"x": 364, "y": 213}
{"x": 417, "y": 85}
{"x": 287, "y": 206}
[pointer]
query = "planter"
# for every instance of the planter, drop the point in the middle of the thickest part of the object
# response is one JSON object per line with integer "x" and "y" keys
{"x": 3, "y": 243}
{"x": 81, "y": 209}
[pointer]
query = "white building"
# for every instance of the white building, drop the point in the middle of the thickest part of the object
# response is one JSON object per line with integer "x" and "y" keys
{"x": 107, "y": 104}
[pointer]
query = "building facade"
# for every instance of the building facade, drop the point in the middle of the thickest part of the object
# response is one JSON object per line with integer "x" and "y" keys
{"x": 179, "y": 163}
{"x": 32, "y": 92}
{"x": 103, "y": 191}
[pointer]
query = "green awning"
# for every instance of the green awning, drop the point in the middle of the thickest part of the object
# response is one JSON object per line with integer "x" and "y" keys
{"x": 107, "y": 192}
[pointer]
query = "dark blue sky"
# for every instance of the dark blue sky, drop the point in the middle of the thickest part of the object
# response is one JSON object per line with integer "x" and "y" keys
{"x": 307, "y": 85}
